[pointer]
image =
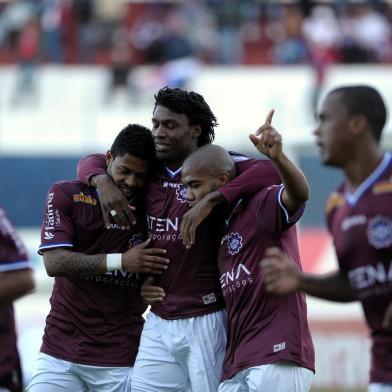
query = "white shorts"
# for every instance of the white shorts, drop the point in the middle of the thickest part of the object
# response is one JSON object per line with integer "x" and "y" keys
{"x": 175, "y": 355}
{"x": 379, "y": 387}
{"x": 56, "y": 375}
{"x": 278, "y": 377}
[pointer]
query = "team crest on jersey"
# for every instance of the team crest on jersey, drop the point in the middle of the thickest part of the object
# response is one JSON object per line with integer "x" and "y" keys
{"x": 181, "y": 192}
{"x": 136, "y": 239}
{"x": 379, "y": 232}
{"x": 234, "y": 243}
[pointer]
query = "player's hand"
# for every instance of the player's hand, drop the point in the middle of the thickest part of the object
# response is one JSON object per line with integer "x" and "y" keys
{"x": 146, "y": 260}
{"x": 193, "y": 218}
{"x": 280, "y": 275}
{"x": 387, "y": 321}
{"x": 114, "y": 204}
{"x": 267, "y": 139}
{"x": 151, "y": 294}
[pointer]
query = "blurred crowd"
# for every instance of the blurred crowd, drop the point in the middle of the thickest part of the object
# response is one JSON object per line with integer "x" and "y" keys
{"x": 212, "y": 31}
{"x": 182, "y": 35}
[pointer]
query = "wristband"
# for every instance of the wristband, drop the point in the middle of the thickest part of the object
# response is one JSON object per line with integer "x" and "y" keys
{"x": 113, "y": 261}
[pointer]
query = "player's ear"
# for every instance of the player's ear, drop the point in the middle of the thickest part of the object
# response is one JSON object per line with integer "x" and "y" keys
{"x": 358, "y": 123}
{"x": 223, "y": 178}
{"x": 195, "y": 131}
{"x": 109, "y": 157}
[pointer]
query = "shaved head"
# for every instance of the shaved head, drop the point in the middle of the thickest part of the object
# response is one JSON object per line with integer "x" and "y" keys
{"x": 211, "y": 160}
{"x": 205, "y": 170}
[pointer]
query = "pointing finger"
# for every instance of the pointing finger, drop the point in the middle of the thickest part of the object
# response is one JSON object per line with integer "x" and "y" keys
{"x": 268, "y": 120}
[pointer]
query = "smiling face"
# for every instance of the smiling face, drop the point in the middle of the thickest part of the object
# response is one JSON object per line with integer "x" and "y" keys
{"x": 174, "y": 138}
{"x": 333, "y": 133}
{"x": 127, "y": 172}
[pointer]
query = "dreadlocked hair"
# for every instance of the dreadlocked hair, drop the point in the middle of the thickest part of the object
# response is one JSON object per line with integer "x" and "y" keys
{"x": 193, "y": 106}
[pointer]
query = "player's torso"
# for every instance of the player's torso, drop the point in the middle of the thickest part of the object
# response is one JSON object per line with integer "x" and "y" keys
{"x": 362, "y": 235}
{"x": 262, "y": 328}
{"x": 191, "y": 281}
{"x": 86, "y": 309}
{"x": 11, "y": 250}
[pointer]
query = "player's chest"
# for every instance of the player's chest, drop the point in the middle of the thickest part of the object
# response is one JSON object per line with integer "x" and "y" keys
{"x": 89, "y": 226}
{"x": 166, "y": 199}
{"x": 363, "y": 231}
{"x": 241, "y": 247}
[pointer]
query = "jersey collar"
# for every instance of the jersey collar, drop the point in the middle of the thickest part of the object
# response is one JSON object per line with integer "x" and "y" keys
{"x": 352, "y": 197}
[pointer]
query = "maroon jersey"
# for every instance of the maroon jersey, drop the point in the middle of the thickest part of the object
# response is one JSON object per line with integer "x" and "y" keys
{"x": 13, "y": 257}
{"x": 361, "y": 226}
{"x": 262, "y": 328}
{"x": 94, "y": 320}
{"x": 191, "y": 282}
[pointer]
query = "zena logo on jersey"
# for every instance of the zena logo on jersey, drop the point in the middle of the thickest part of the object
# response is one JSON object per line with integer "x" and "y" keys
{"x": 234, "y": 242}
{"x": 379, "y": 232}
{"x": 181, "y": 192}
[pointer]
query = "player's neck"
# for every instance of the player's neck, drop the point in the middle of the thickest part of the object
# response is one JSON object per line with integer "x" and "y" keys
{"x": 358, "y": 169}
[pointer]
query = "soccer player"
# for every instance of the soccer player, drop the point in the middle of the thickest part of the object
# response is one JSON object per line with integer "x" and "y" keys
{"x": 359, "y": 217}
{"x": 93, "y": 329}
{"x": 183, "y": 339}
{"x": 16, "y": 280}
{"x": 269, "y": 347}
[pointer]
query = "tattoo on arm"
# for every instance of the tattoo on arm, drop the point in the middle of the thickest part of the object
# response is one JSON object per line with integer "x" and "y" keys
{"x": 61, "y": 262}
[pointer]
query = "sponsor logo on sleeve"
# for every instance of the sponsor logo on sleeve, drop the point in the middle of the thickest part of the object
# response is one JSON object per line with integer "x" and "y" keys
{"x": 82, "y": 198}
{"x": 336, "y": 200}
{"x": 382, "y": 187}
{"x": 49, "y": 216}
{"x": 379, "y": 232}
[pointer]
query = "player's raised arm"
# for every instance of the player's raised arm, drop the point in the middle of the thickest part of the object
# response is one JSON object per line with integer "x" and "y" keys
{"x": 282, "y": 277}
{"x": 269, "y": 142}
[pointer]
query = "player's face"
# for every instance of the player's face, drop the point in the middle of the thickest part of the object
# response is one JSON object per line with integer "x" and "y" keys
{"x": 199, "y": 183}
{"x": 174, "y": 138}
{"x": 128, "y": 172}
{"x": 333, "y": 132}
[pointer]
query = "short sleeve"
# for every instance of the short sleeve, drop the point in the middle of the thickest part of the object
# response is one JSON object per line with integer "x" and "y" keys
{"x": 57, "y": 229}
{"x": 89, "y": 166}
{"x": 13, "y": 254}
{"x": 270, "y": 209}
{"x": 254, "y": 175}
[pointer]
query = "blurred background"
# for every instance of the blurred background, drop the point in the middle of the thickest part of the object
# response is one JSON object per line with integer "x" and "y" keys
{"x": 73, "y": 73}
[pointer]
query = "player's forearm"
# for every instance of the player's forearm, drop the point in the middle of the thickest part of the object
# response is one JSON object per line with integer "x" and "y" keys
{"x": 61, "y": 262}
{"x": 15, "y": 284}
{"x": 332, "y": 287}
{"x": 294, "y": 181}
{"x": 98, "y": 180}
